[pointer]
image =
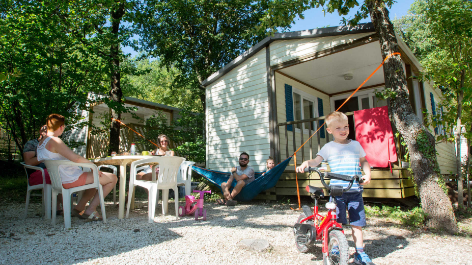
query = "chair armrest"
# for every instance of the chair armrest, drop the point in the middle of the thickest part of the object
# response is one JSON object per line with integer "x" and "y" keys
{"x": 86, "y": 165}
{"x": 109, "y": 167}
{"x": 32, "y": 167}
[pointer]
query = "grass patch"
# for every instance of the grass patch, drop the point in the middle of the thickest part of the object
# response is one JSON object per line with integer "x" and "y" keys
{"x": 414, "y": 217}
{"x": 14, "y": 190}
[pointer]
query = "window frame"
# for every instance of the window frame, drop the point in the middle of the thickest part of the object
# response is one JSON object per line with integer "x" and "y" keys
{"x": 368, "y": 93}
{"x": 305, "y": 96}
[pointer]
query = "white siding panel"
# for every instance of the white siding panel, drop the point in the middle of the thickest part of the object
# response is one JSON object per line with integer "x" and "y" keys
{"x": 446, "y": 151}
{"x": 282, "y": 51}
{"x": 230, "y": 126}
{"x": 237, "y": 116}
{"x": 255, "y": 135}
{"x": 241, "y": 112}
{"x": 245, "y": 97}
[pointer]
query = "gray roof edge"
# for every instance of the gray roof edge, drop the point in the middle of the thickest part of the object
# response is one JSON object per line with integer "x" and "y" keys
{"x": 142, "y": 101}
{"x": 312, "y": 33}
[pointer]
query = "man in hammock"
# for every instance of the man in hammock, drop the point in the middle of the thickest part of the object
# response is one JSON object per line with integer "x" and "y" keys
{"x": 243, "y": 174}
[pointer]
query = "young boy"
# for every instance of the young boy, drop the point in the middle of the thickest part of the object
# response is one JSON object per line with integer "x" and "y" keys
{"x": 344, "y": 156}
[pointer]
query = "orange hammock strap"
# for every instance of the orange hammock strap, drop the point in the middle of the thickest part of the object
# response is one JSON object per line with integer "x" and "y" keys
{"x": 347, "y": 99}
{"x": 113, "y": 119}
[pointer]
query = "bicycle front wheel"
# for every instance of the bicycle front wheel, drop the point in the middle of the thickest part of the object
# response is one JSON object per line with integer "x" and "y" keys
{"x": 338, "y": 249}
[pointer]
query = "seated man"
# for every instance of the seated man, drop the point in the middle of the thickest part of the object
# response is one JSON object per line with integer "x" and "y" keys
{"x": 31, "y": 158}
{"x": 243, "y": 174}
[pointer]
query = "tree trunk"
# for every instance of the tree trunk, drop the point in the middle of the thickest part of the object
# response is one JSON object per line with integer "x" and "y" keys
{"x": 460, "y": 188}
{"x": 116, "y": 93}
{"x": 467, "y": 172}
{"x": 420, "y": 142}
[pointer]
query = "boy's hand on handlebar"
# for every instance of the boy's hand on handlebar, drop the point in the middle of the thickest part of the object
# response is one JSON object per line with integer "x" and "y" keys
{"x": 366, "y": 179}
{"x": 301, "y": 168}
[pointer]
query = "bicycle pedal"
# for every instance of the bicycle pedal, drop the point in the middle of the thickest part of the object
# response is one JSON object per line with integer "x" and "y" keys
{"x": 302, "y": 239}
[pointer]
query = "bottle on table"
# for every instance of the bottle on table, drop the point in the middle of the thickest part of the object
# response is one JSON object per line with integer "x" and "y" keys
{"x": 132, "y": 150}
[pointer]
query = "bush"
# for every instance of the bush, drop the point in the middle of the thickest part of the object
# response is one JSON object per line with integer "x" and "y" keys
{"x": 414, "y": 217}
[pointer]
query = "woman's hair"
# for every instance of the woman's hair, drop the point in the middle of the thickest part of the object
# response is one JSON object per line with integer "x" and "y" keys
{"x": 54, "y": 121}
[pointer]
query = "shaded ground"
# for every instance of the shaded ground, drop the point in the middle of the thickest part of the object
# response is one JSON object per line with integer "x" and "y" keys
{"x": 215, "y": 241}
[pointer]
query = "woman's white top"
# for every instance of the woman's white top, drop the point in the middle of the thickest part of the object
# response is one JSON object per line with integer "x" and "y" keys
{"x": 68, "y": 174}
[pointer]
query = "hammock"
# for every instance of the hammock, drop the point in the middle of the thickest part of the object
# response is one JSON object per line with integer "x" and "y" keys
{"x": 252, "y": 189}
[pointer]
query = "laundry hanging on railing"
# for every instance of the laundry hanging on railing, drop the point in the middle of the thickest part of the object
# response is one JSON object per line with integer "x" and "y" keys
{"x": 374, "y": 133}
{"x": 252, "y": 189}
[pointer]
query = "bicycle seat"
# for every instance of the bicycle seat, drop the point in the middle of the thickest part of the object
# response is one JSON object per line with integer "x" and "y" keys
{"x": 315, "y": 190}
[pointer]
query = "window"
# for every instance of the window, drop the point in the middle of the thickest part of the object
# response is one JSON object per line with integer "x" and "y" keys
{"x": 304, "y": 107}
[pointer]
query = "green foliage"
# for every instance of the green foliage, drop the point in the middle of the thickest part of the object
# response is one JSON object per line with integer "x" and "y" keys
{"x": 199, "y": 37}
{"x": 153, "y": 81}
{"x": 440, "y": 35}
{"x": 186, "y": 132}
{"x": 52, "y": 54}
{"x": 414, "y": 217}
{"x": 47, "y": 68}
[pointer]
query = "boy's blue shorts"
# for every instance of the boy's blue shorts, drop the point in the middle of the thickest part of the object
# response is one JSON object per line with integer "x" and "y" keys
{"x": 355, "y": 207}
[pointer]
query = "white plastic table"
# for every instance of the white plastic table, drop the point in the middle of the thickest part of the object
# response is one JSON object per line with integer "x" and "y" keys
{"x": 121, "y": 161}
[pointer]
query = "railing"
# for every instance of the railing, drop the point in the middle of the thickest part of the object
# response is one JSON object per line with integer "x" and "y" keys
{"x": 310, "y": 125}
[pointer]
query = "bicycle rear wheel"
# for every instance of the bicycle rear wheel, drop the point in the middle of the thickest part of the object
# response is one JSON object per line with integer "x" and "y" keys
{"x": 338, "y": 249}
{"x": 301, "y": 239}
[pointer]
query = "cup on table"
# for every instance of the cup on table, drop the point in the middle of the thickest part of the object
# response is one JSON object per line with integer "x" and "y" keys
{"x": 145, "y": 153}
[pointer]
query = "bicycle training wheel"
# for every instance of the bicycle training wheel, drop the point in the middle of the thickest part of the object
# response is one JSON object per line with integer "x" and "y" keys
{"x": 182, "y": 211}
{"x": 301, "y": 240}
{"x": 338, "y": 249}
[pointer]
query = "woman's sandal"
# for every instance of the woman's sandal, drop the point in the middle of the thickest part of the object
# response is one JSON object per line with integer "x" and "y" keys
{"x": 92, "y": 217}
{"x": 221, "y": 202}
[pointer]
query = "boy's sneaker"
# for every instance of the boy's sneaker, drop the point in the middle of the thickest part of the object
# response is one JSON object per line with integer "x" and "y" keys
{"x": 362, "y": 258}
{"x": 335, "y": 251}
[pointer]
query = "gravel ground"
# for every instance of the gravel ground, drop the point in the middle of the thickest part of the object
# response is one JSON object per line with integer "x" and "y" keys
{"x": 216, "y": 241}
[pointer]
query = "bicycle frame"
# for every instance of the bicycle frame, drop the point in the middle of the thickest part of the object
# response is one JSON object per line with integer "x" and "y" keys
{"x": 326, "y": 224}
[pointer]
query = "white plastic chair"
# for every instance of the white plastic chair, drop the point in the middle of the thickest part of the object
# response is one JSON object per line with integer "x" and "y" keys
{"x": 184, "y": 177}
{"x": 46, "y": 198}
{"x": 166, "y": 180}
{"x": 115, "y": 171}
{"x": 56, "y": 181}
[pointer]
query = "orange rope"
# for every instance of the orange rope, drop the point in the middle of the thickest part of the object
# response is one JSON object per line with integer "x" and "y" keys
{"x": 113, "y": 119}
{"x": 355, "y": 91}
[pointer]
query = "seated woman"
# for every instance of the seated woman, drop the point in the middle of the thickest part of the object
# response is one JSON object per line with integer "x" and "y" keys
{"x": 270, "y": 164}
{"x": 163, "y": 150}
{"x": 53, "y": 148}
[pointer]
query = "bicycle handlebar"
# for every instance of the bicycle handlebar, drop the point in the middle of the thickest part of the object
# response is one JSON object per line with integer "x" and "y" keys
{"x": 334, "y": 176}
{"x": 202, "y": 192}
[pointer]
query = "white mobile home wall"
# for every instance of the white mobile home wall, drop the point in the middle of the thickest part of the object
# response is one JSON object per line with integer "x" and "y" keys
{"x": 237, "y": 116}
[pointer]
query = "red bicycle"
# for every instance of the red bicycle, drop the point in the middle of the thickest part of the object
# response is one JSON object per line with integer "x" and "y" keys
{"x": 312, "y": 226}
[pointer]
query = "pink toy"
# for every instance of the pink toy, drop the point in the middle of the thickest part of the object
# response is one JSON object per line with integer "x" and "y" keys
{"x": 193, "y": 205}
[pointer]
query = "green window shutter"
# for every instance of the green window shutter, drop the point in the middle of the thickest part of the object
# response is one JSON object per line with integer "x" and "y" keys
{"x": 320, "y": 122}
{"x": 289, "y": 105}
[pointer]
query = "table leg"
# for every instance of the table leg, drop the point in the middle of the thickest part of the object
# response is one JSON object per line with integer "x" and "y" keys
{"x": 121, "y": 209}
